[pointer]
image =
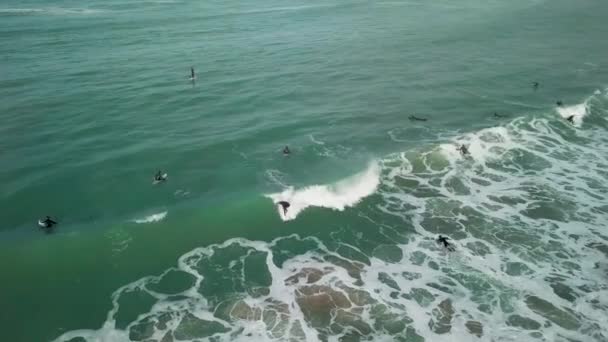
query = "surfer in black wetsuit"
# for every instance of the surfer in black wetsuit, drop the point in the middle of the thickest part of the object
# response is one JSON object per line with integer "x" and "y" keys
{"x": 286, "y": 151}
{"x": 158, "y": 176}
{"x": 496, "y": 115}
{"x": 48, "y": 222}
{"x": 535, "y": 85}
{"x": 463, "y": 150}
{"x": 284, "y": 205}
{"x": 192, "y": 74}
{"x": 414, "y": 118}
{"x": 570, "y": 119}
{"x": 559, "y": 103}
{"x": 444, "y": 240}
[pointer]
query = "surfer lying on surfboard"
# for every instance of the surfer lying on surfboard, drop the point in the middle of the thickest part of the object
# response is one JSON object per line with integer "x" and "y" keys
{"x": 46, "y": 223}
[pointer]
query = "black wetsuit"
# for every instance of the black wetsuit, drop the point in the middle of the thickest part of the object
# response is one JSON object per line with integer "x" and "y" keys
{"x": 48, "y": 223}
{"x": 158, "y": 176}
{"x": 463, "y": 150}
{"x": 444, "y": 241}
{"x": 284, "y": 205}
{"x": 570, "y": 119}
{"x": 414, "y": 118}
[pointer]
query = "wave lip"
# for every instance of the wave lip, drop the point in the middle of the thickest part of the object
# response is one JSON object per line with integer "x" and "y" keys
{"x": 344, "y": 193}
{"x": 152, "y": 218}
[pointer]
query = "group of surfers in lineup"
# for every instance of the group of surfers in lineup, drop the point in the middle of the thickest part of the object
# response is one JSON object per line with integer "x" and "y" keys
{"x": 48, "y": 223}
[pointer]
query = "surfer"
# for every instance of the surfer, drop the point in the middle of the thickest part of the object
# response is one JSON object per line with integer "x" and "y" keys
{"x": 414, "y": 118}
{"x": 159, "y": 176}
{"x": 46, "y": 223}
{"x": 192, "y": 74}
{"x": 559, "y": 103}
{"x": 535, "y": 85}
{"x": 496, "y": 115}
{"x": 570, "y": 119}
{"x": 463, "y": 150}
{"x": 444, "y": 240}
{"x": 286, "y": 151}
{"x": 284, "y": 205}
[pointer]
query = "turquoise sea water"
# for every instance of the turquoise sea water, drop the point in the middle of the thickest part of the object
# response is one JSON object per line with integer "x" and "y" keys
{"x": 95, "y": 98}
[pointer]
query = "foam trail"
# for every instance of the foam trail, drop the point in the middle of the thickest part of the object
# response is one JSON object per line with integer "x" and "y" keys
{"x": 318, "y": 142}
{"x": 152, "y": 218}
{"x": 338, "y": 196}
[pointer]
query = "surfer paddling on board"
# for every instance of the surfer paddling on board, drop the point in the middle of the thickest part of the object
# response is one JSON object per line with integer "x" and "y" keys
{"x": 444, "y": 240}
{"x": 535, "y": 85}
{"x": 415, "y": 118}
{"x": 499, "y": 116}
{"x": 46, "y": 223}
{"x": 284, "y": 205}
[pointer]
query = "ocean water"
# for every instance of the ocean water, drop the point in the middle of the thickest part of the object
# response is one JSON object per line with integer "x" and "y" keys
{"x": 95, "y": 97}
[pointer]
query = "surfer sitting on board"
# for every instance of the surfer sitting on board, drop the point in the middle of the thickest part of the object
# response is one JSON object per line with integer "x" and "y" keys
{"x": 159, "y": 176}
{"x": 444, "y": 241}
{"x": 284, "y": 205}
{"x": 286, "y": 151}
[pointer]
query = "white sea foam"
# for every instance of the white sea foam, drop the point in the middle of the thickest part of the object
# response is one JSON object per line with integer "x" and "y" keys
{"x": 342, "y": 194}
{"x": 314, "y": 140}
{"x": 519, "y": 273}
{"x": 152, "y": 218}
{"x": 578, "y": 111}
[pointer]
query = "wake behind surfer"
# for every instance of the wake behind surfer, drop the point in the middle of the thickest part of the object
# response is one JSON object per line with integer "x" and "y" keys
{"x": 285, "y": 205}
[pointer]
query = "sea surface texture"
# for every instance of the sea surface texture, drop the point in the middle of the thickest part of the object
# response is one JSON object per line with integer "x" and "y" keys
{"x": 96, "y": 97}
